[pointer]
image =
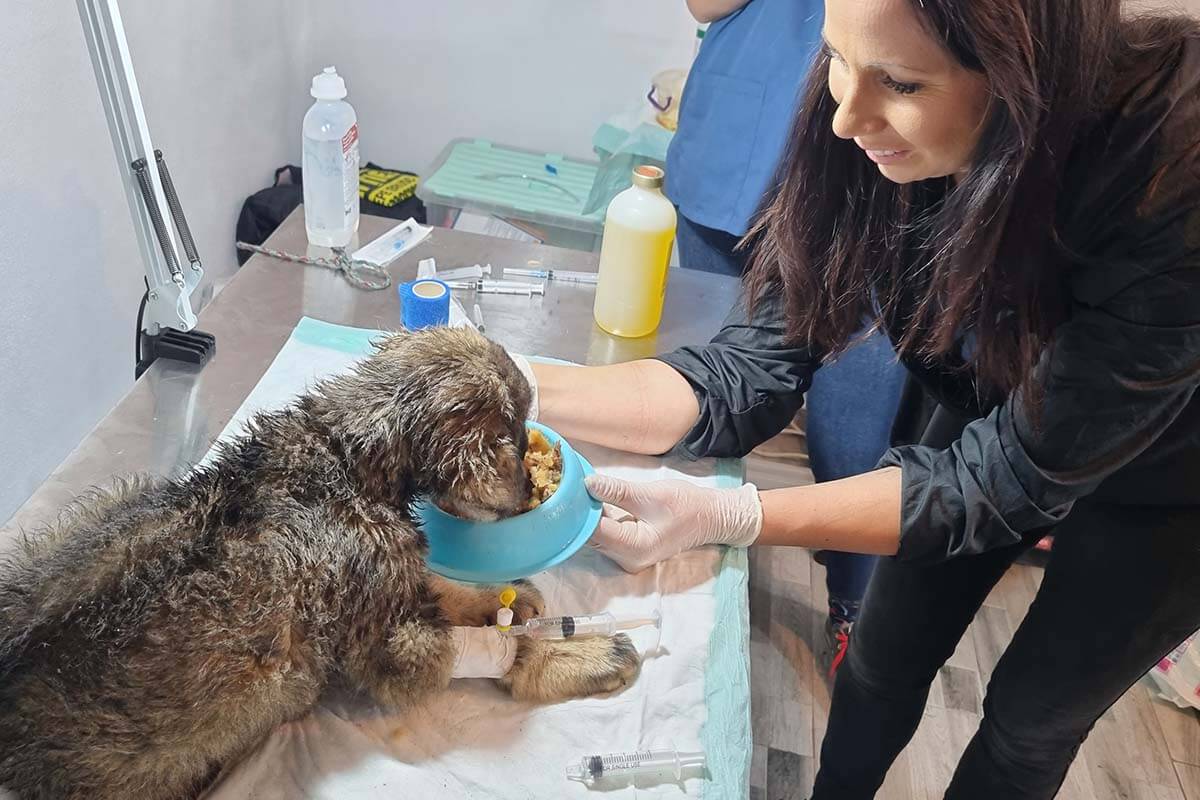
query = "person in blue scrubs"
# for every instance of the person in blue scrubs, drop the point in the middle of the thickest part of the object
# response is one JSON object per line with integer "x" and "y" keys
{"x": 734, "y": 123}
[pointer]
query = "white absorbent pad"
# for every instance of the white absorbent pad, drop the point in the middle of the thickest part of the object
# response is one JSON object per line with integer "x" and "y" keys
{"x": 475, "y": 741}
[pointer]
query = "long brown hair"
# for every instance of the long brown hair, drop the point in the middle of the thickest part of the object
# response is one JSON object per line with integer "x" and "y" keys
{"x": 942, "y": 258}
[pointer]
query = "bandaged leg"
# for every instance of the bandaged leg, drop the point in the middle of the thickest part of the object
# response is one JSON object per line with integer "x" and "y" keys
{"x": 482, "y": 653}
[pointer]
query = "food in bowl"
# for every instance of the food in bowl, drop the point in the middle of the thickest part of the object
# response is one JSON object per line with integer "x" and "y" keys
{"x": 517, "y": 546}
{"x": 544, "y": 464}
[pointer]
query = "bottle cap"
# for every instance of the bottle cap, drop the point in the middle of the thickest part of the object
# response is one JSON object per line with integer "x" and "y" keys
{"x": 504, "y": 615}
{"x": 648, "y": 177}
{"x": 328, "y": 85}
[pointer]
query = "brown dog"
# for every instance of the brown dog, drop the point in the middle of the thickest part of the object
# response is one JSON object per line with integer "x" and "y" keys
{"x": 161, "y": 629}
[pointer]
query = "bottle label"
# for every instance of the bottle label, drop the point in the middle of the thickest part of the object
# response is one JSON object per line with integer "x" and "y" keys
{"x": 350, "y": 139}
{"x": 350, "y": 171}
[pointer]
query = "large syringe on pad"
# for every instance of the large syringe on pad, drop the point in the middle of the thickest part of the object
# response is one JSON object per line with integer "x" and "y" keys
{"x": 568, "y": 627}
{"x": 591, "y": 770}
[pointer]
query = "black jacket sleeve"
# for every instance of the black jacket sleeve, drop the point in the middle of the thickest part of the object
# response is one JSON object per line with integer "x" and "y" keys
{"x": 1116, "y": 377}
{"x": 749, "y": 382}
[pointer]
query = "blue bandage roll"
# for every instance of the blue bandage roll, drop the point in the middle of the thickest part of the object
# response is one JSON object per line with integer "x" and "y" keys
{"x": 424, "y": 303}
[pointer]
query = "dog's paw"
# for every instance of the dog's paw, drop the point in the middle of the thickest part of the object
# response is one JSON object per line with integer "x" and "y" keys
{"x": 551, "y": 670}
{"x": 617, "y": 667}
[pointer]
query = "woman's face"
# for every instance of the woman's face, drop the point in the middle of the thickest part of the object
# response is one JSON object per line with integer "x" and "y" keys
{"x": 901, "y": 96}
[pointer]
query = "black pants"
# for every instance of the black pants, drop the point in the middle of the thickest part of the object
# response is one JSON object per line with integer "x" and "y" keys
{"x": 1121, "y": 590}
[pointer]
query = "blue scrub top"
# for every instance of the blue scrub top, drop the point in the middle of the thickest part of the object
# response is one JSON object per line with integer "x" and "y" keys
{"x": 737, "y": 110}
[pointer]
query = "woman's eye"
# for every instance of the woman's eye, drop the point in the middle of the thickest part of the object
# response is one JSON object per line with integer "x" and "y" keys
{"x": 899, "y": 87}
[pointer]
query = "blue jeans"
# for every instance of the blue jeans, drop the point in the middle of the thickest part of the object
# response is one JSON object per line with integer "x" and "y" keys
{"x": 708, "y": 249}
{"x": 851, "y": 405}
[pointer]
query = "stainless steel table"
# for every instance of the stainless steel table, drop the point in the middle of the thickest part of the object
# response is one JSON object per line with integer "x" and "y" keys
{"x": 170, "y": 417}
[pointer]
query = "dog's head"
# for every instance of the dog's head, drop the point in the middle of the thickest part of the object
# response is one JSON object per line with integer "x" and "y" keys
{"x": 444, "y": 412}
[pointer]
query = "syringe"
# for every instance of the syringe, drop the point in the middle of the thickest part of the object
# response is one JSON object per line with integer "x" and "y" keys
{"x": 567, "y": 275}
{"x": 592, "y": 769}
{"x": 511, "y": 287}
{"x": 602, "y": 624}
{"x": 500, "y": 287}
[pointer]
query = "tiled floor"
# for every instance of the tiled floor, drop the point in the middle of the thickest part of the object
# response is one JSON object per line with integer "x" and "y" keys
{"x": 1142, "y": 749}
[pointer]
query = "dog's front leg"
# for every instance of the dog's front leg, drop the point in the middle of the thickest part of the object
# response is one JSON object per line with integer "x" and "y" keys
{"x": 412, "y": 658}
{"x": 476, "y": 606}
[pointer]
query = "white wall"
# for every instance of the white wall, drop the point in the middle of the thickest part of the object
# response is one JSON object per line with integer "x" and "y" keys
{"x": 1178, "y": 6}
{"x": 534, "y": 73}
{"x": 212, "y": 75}
{"x": 70, "y": 275}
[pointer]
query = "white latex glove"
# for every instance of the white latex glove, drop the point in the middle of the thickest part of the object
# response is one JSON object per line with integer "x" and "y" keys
{"x": 653, "y": 521}
{"x": 526, "y": 370}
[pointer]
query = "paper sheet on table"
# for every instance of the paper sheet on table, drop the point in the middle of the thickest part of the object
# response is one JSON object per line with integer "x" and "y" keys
{"x": 491, "y": 226}
{"x": 474, "y": 741}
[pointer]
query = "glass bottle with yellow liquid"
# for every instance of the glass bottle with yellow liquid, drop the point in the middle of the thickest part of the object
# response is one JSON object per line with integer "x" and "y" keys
{"x": 639, "y": 230}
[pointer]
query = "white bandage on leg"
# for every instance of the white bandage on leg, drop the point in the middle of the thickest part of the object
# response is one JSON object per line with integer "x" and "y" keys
{"x": 482, "y": 653}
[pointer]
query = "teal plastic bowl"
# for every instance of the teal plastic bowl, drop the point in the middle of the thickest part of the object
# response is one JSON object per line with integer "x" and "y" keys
{"x": 520, "y": 546}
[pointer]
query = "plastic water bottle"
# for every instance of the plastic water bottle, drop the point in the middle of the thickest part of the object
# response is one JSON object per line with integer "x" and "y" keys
{"x": 635, "y": 252}
{"x": 330, "y": 164}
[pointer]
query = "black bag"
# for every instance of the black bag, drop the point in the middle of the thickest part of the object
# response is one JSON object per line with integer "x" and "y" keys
{"x": 382, "y": 192}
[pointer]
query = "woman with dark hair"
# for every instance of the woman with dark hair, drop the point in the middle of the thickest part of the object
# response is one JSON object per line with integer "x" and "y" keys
{"x": 1012, "y": 189}
{"x": 734, "y": 120}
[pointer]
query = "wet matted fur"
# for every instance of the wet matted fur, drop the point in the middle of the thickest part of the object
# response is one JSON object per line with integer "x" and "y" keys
{"x": 162, "y": 628}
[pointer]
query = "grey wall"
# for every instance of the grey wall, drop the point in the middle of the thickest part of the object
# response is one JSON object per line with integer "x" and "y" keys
{"x": 541, "y": 74}
{"x": 70, "y": 277}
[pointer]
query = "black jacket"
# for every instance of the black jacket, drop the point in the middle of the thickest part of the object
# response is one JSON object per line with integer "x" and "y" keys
{"x": 1120, "y": 414}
